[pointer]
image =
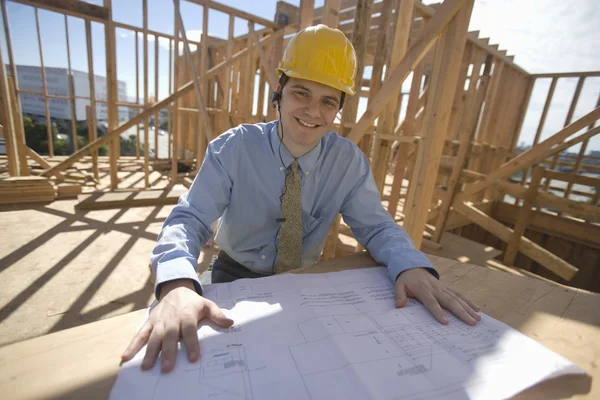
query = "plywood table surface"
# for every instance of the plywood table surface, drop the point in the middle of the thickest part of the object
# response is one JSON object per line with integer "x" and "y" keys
{"x": 83, "y": 362}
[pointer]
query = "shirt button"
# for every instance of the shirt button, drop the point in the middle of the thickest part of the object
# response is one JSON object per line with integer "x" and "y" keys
{"x": 307, "y": 173}
{"x": 281, "y": 168}
{"x": 263, "y": 257}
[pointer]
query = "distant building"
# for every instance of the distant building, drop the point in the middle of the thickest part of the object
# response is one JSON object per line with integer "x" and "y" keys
{"x": 57, "y": 81}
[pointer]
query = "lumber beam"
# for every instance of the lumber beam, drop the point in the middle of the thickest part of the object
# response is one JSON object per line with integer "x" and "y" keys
{"x": 111, "y": 93}
{"x": 331, "y": 13}
{"x": 360, "y": 37}
{"x": 544, "y": 199}
{"x": 524, "y": 216}
{"x": 398, "y": 47}
{"x": 75, "y": 8}
{"x": 534, "y": 155}
{"x": 443, "y": 85}
{"x": 234, "y": 11}
{"x": 182, "y": 91}
{"x": 560, "y": 227}
{"x": 6, "y": 113}
{"x": 307, "y": 11}
{"x": 526, "y": 246}
{"x": 466, "y": 136}
{"x": 199, "y": 97}
{"x": 264, "y": 62}
{"x": 417, "y": 52}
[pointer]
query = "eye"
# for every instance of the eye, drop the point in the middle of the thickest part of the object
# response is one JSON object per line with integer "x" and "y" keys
{"x": 302, "y": 93}
{"x": 330, "y": 103}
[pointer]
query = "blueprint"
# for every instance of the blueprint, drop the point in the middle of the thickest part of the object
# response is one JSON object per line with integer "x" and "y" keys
{"x": 339, "y": 336}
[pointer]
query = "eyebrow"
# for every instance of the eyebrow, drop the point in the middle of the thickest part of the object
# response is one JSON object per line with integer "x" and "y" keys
{"x": 300, "y": 86}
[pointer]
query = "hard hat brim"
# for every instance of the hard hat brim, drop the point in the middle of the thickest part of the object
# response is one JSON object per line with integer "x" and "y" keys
{"x": 314, "y": 76}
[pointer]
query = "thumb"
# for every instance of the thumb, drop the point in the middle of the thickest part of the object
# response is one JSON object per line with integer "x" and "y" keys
{"x": 216, "y": 315}
{"x": 401, "y": 298}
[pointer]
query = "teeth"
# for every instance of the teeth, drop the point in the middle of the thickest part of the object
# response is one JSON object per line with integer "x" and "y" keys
{"x": 306, "y": 123}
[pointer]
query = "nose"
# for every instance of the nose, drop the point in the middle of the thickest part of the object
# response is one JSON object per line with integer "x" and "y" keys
{"x": 312, "y": 109}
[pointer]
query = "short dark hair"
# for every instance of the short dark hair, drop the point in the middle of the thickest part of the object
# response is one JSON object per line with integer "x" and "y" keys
{"x": 284, "y": 78}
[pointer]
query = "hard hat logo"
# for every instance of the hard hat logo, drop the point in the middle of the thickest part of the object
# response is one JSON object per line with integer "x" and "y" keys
{"x": 321, "y": 54}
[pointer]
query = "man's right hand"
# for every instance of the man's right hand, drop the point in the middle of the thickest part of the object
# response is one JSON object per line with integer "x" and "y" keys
{"x": 176, "y": 315}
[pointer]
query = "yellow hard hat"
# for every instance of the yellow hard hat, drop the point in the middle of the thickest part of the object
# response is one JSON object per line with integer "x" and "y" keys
{"x": 321, "y": 54}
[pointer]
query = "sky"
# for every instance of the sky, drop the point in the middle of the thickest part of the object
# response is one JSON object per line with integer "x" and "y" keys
{"x": 544, "y": 36}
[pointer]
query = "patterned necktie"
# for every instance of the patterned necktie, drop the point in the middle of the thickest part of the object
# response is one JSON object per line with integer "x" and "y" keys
{"x": 289, "y": 255}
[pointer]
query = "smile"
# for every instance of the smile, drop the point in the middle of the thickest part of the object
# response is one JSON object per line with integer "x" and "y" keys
{"x": 306, "y": 124}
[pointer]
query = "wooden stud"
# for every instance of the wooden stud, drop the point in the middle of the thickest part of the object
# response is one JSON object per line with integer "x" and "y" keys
{"x": 202, "y": 115}
{"x": 156, "y": 75}
{"x": 379, "y": 61}
{"x": 524, "y": 216}
{"x": 200, "y": 99}
{"x": 307, "y": 9}
{"x": 271, "y": 76}
{"x": 112, "y": 94}
{"x": 359, "y": 40}
{"x": 227, "y": 121}
{"x": 537, "y": 153}
{"x": 445, "y": 75}
{"x": 574, "y": 101}
{"x": 91, "y": 81}
{"x": 45, "y": 88}
{"x": 6, "y": 113}
{"x": 137, "y": 90}
{"x": 582, "y": 150}
{"x": 71, "y": 90}
{"x": 466, "y": 135}
{"x": 91, "y": 122}
{"x": 18, "y": 122}
{"x": 399, "y": 44}
{"x": 526, "y": 246}
{"x": 146, "y": 94}
{"x": 549, "y": 97}
{"x": 331, "y": 11}
{"x": 417, "y": 52}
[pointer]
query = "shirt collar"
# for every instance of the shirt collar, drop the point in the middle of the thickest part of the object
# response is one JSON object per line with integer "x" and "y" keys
{"x": 308, "y": 161}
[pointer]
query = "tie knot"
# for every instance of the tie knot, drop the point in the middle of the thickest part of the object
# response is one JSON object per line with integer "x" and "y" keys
{"x": 295, "y": 166}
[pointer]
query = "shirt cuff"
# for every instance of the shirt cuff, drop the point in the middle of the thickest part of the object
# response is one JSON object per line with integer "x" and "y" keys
{"x": 179, "y": 268}
{"x": 410, "y": 259}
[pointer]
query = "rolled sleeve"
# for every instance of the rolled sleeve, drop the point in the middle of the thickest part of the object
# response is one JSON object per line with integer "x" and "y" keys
{"x": 187, "y": 228}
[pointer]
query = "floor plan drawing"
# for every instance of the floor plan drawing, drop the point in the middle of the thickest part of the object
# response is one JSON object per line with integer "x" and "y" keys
{"x": 340, "y": 336}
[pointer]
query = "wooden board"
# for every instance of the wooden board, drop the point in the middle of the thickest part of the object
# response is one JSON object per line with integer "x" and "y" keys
{"x": 83, "y": 362}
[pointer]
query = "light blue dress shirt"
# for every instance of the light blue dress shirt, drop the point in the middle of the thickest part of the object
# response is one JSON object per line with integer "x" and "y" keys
{"x": 241, "y": 181}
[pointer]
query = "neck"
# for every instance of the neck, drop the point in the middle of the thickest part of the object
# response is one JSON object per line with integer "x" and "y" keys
{"x": 295, "y": 150}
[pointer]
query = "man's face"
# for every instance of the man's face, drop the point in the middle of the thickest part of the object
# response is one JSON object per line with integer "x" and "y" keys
{"x": 307, "y": 111}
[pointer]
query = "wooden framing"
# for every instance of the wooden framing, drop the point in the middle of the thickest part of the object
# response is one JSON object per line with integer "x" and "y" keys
{"x": 445, "y": 144}
{"x": 529, "y": 248}
{"x": 443, "y": 85}
{"x": 524, "y": 215}
{"x": 74, "y": 8}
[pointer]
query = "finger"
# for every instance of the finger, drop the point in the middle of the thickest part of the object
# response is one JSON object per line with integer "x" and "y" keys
{"x": 169, "y": 347}
{"x": 464, "y": 305}
{"x": 454, "y": 306}
{"x": 154, "y": 345}
{"x": 466, "y": 300}
{"x": 189, "y": 334}
{"x": 137, "y": 342}
{"x": 433, "y": 306}
{"x": 400, "y": 292}
{"x": 216, "y": 315}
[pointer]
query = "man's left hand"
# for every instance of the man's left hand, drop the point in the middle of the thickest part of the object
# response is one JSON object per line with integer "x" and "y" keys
{"x": 418, "y": 283}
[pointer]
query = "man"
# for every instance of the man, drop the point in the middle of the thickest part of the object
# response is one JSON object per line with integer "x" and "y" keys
{"x": 277, "y": 188}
